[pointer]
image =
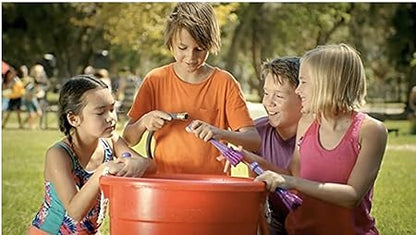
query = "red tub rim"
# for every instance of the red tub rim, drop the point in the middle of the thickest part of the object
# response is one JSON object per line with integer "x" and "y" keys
{"x": 190, "y": 182}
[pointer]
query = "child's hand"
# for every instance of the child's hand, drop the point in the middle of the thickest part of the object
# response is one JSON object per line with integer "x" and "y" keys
{"x": 113, "y": 167}
{"x": 203, "y": 130}
{"x": 272, "y": 180}
{"x": 133, "y": 167}
{"x": 155, "y": 120}
{"x": 227, "y": 165}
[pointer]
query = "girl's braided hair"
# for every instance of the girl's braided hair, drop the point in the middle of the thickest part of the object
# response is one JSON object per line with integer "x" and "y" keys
{"x": 71, "y": 99}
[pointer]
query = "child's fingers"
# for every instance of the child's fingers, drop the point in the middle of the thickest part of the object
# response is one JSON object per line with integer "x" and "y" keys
{"x": 220, "y": 158}
{"x": 226, "y": 166}
{"x": 263, "y": 177}
{"x": 227, "y": 163}
{"x": 162, "y": 115}
{"x": 195, "y": 124}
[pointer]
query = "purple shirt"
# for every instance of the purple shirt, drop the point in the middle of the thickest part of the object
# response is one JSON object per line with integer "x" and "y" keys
{"x": 273, "y": 148}
{"x": 278, "y": 152}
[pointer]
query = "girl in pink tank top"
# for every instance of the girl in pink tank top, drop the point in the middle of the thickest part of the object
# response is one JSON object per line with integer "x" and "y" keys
{"x": 339, "y": 151}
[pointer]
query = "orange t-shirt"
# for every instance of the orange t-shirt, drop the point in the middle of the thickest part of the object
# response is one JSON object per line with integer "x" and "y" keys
{"x": 218, "y": 100}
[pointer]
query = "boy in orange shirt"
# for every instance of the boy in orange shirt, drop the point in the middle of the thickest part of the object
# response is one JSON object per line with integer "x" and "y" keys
{"x": 211, "y": 96}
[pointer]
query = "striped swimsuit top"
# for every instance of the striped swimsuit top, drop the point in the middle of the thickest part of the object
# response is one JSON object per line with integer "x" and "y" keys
{"x": 52, "y": 216}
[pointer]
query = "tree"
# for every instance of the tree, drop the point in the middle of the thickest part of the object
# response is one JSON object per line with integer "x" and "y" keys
{"x": 31, "y": 30}
{"x": 402, "y": 43}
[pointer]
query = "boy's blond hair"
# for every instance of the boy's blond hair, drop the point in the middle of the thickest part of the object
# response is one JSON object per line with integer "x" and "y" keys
{"x": 338, "y": 75}
{"x": 199, "y": 20}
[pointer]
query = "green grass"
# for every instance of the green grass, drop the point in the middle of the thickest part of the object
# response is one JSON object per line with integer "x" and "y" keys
{"x": 22, "y": 174}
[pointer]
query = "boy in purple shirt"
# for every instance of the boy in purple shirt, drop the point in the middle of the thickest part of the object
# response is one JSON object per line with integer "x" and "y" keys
{"x": 278, "y": 128}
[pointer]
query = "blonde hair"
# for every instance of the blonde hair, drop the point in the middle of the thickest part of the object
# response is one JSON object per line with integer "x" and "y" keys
{"x": 199, "y": 20}
{"x": 338, "y": 75}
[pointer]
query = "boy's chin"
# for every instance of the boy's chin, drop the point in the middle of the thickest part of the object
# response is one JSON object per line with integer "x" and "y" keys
{"x": 274, "y": 122}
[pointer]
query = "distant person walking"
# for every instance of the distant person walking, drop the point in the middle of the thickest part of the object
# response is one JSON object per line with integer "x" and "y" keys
{"x": 13, "y": 90}
{"x": 30, "y": 101}
{"x": 42, "y": 82}
{"x": 411, "y": 110}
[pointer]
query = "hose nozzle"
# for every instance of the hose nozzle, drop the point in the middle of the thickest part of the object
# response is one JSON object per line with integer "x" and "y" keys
{"x": 179, "y": 116}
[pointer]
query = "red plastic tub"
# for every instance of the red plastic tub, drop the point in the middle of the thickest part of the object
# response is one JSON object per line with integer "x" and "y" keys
{"x": 183, "y": 204}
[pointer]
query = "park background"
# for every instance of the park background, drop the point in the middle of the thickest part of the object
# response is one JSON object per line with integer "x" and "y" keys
{"x": 66, "y": 37}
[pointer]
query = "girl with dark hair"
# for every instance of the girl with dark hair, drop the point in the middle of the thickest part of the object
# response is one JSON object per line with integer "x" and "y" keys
{"x": 73, "y": 203}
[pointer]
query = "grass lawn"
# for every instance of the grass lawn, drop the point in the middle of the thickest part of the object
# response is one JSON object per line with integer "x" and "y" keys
{"x": 22, "y": 180}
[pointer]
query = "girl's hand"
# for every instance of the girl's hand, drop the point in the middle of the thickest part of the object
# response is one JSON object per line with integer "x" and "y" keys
{"x": 154, "y": 120}
{"x": 133, "y": 166}
{"x": 204, "y": 130}
{"x": 272, "y": 180}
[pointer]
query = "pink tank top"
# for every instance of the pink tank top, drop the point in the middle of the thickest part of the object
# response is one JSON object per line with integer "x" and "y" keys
{"x": 335, "y": 166}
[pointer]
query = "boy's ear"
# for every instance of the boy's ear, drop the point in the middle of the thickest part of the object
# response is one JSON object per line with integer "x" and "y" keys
{"x": 73, "y": 119}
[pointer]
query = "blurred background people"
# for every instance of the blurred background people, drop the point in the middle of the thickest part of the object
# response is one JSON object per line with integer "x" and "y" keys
{"x": 125, "y": 89}
{"x": 103, "y": 75}
{"x": 38, "y": 73}
{"x": 411, "y": 110}
{"x": 30, "y": 101}
{"x": 13, "y": 89}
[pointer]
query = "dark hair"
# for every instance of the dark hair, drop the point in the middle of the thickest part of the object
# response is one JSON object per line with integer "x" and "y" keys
{"x": 199, "y": 20}
{"x": 71, "y": 99}
{"x": 284, "y": 68}
{"x": 11, "y": 72}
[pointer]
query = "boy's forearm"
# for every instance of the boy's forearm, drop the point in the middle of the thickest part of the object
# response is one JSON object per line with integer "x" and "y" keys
{"x": 247, "y": 137}
{"x": 250, "y": 157}
{"x": 133, "y": 133}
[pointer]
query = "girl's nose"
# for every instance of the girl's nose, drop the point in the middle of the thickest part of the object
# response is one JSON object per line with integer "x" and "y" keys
{"x": 297, "y": 90}
{"x": 112, "y": 117}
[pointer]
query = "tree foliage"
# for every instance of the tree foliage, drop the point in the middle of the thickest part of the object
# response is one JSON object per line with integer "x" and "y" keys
{"x": 402, "y": 42}
{"x": 251, "y": 33}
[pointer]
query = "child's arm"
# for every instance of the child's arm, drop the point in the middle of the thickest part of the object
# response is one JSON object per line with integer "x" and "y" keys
{"x": 247, "y": 137}
{"x": 151, "y": 121}
{"x": 373, "y": 139}
{"x": 135, "y": 164}
{"x": 58, "y": 170}
{"x": 263, "y": 163}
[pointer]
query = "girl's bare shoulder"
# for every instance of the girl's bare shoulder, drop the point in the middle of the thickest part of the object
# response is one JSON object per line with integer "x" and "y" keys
{"x": 372, "y": 126}
{"x": 56, "y": 155}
